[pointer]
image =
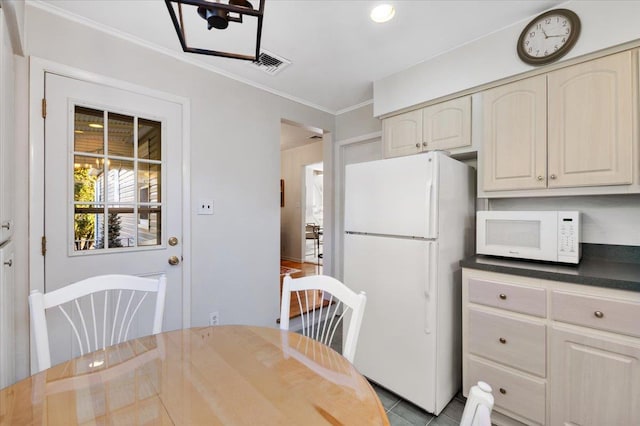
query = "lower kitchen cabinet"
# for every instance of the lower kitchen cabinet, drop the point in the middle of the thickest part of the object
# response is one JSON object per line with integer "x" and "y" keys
{"x": 594, "y": 380}
{"x": 571, "y": 356}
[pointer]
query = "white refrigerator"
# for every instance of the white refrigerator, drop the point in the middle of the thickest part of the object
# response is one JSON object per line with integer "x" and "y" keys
{"x": 408, "y": 223}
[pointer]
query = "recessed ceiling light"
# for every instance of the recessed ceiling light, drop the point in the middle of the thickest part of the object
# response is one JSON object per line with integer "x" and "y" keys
{"x": 96, "y": 125}
{"x": 382, "y": 13}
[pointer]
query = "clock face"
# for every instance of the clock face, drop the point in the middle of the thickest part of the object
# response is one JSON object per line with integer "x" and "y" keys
{"x": 548, "y": 37}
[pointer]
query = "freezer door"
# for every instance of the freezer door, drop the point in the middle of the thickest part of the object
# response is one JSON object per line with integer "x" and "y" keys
{"x": 396, "y": 347}
{"x": 396, "y": 196}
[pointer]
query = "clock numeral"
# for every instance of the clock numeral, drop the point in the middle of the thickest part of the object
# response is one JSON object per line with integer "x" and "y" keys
{"x": 547, "y": 21}
{"x": 529, "y": 49}
{"x": 564, "y": 23}
{"x": 532, "y": 34}
{"x": 546, "y": 52}
{"x": 564, "y": 39}
{"x": 539, "y": 26}
{"x": 568, "y": 31}
{"x": 555, "y": 47}
{"x": 526, "y": 43}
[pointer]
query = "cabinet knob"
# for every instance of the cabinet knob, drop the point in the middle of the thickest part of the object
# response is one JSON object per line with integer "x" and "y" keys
{"x": 540, "y": 178}
{"x": 503, "y": 340}
{"x": 503, "y": 296}
{"x": 173, "y": 260}
{"x": 417, "y": 145}
{"x": 598, "y": 314}
{"x": 424, "y": 144}
{"x": 553, "y": 176}
{"x": 503, "y": 391}
{"x": 9, "y": 263}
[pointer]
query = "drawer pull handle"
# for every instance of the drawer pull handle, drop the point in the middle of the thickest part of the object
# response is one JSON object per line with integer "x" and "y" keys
{"x": 503, "y": 391}
{"x": 598, "y": 314}
{"x": 503, "y": 296}
{"x": 503, "y": 340}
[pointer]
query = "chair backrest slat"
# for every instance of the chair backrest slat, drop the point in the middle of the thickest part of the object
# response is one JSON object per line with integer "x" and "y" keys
{"x": 330, "y": 302}
{"x": 81, "y": 296}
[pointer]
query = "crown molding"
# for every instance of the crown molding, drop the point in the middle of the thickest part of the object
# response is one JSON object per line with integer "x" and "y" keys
{"x": 178, "y": 55}
{"x": 354, "y": 107}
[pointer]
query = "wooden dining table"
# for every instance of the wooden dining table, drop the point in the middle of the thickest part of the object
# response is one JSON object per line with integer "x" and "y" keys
{"x": 220, "y": 375}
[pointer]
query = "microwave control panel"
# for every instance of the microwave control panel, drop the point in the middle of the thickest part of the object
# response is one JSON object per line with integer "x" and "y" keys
{"x": 569, "y": 237}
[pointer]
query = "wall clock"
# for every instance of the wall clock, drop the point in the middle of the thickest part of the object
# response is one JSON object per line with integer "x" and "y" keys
{"x": 548, "y": 37}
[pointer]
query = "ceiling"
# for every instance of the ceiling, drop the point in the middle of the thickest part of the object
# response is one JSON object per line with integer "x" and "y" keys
{"x": 335, "y": 49}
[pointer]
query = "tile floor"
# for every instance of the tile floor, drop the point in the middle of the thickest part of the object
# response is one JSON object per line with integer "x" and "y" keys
{"x": 404, "y": 413}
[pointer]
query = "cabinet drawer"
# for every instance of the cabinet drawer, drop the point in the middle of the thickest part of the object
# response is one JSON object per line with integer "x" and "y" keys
{"x": 526, "y": 300}
{"x": 516, "y": 343}
{"x": 596, "y": 312}
{"x": 514, "y": 392}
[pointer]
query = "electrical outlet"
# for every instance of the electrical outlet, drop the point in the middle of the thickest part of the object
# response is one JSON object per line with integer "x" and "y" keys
{"x": 205, "y": 206}
{"x": 214, "y": 318}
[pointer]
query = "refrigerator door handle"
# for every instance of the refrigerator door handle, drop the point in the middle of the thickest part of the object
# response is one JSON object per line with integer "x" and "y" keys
{"x": 430, "y": 211}
{"x": 431, "y": 277}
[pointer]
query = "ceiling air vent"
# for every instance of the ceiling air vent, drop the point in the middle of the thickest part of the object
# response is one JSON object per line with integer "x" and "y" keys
{"x": 270, "y": 63}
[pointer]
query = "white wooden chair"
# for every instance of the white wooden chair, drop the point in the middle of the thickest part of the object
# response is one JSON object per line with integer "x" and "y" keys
{"x": 320, "y": 322}
{"x": 128, "y": 291}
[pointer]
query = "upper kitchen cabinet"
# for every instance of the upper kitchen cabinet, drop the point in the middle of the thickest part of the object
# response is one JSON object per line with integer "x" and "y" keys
{"x": 567, "y": 132}
{"x": 402, "y": 134}
{"x": 591, "y": 107}
{"x": 514, "y": 150}
{"x": 445, "y": 126}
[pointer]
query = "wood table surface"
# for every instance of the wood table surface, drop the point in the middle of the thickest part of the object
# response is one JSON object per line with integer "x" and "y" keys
{"x": 222, "y": 375}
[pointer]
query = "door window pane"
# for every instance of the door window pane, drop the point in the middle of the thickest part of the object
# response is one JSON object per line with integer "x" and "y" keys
{"x": 120, "y": 135}
{"x": 121, "y": 183}
{"x": 149, "y": 140}
{"x": 88, "y": 179}
{"x": 149, "y": 226}
{"x": 88, "y": 220}
{"x": 88, "y": 133}
{"x": 149, "y": 182}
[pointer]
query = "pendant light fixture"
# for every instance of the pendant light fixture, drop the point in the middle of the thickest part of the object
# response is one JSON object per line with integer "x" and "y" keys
{"x": 216, "y": 15}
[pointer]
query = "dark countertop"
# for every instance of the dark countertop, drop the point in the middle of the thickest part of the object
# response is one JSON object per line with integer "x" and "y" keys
{"x": 601, "y": 266}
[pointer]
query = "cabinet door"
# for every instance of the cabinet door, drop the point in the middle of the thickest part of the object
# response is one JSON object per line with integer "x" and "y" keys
{"x": 7, "y": 329}
{"x": 6, "y": 135}
{"x": 591, "y": 123}
{"x": 402, "y": 134}
{"x": 514, "y": 154}
{"x": 447, "y": 125}
{"x": 593, "y": 380}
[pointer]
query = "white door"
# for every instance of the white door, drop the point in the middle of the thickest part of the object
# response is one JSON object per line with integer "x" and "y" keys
{"x": 113, "y": 201}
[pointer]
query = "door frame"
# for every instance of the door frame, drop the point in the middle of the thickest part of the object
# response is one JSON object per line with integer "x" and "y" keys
{"x": 338, "y": 181}
{"x": 37, "y": 69}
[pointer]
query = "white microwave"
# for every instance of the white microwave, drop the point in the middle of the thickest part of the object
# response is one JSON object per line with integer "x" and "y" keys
{"x": 540, "y": 235}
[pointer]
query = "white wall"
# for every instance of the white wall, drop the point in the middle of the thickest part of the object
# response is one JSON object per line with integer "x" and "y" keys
{"x": 291, "y": 218}
{"x": 235, "y": 160}
{"x": 604, "y": 24}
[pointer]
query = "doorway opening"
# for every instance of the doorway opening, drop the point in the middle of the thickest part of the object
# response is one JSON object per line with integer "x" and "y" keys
{"x": 313, "y": 213}
{"x": 301, "y": 198}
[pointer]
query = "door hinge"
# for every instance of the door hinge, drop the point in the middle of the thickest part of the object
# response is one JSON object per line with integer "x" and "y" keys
{"x": 43, "y": 245}
{"x": 44, "y": 108}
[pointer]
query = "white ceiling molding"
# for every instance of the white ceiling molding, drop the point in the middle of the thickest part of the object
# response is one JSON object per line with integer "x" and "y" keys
{"x": 354, "y": 107}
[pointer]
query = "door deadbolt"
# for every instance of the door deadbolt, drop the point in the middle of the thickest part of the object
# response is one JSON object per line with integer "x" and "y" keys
{"x": 173, "y": 241}
{"x": 174, "y": 260}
